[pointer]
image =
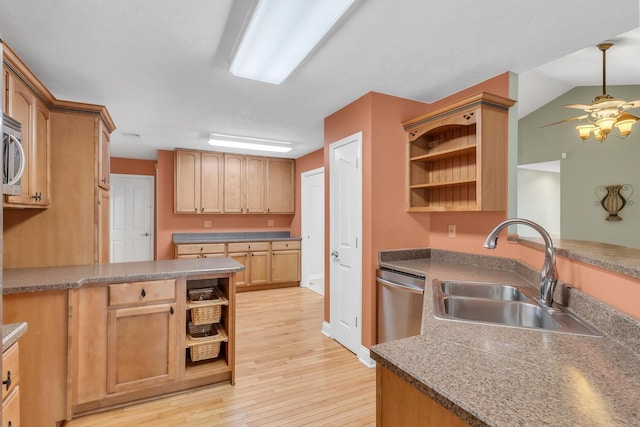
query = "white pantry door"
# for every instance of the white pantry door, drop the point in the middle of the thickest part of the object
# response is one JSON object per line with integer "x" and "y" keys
{"x": 131, "y": 218}
{"x": 345, "y": 237}
{"x": 312, "y": 203}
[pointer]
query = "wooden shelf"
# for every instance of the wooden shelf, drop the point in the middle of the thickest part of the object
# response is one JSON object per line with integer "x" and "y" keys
{"x": 443, "y": 184}
{"x": 445, "y": 154}
{"x": 207, "y": 367}
{"x": 448, "y": 166}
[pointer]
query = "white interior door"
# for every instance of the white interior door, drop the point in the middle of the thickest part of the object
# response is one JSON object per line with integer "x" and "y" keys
{"x": 312, "y": 201}
{"x": 131, "y": 218}
{"x": 345, "y": 238}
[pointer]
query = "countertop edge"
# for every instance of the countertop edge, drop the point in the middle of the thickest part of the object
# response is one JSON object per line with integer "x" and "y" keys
{"x": 11, "y": 333}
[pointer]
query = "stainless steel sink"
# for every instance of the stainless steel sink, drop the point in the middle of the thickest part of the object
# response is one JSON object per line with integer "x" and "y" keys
{"x": 484, "y": 290}
{"x": 503, "y": 305}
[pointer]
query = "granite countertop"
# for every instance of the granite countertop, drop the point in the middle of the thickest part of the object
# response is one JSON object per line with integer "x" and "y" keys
{"x": 11, "y": 333}
{"x": 499, "y": 376}
{"x": 257, "y": 236}
{"x": 20, "y": 280}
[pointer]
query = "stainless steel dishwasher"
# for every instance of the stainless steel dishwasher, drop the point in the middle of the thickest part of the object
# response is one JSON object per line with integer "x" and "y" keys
{"x": 400, "y": 297}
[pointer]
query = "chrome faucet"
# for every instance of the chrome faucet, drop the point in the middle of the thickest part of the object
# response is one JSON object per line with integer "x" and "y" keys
{"x": 548, "y": 274}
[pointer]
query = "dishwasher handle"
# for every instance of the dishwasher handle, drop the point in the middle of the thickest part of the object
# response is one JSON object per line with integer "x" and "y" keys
{"x": 400, "y": 286}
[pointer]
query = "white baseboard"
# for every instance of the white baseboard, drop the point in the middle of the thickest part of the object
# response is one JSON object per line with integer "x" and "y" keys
{"x": 365, "y": 357}
{"x": 363, "y": 353}
{"x": 326, "y": 329}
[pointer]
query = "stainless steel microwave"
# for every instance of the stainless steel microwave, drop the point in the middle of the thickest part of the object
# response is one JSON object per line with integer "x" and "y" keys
{"x": 12, "y": 156}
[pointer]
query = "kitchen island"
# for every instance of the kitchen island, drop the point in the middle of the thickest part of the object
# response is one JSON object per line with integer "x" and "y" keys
{"x": 486, "y": 375}
{"x": 102, "y": 335}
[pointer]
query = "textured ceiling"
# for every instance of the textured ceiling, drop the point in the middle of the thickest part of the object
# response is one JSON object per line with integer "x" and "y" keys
{"x": 160, "y": 65}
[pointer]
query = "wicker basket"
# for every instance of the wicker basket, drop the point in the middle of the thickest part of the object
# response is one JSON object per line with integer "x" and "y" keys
{"x": 206, "y": 345}
{"x": 205, "y": 305}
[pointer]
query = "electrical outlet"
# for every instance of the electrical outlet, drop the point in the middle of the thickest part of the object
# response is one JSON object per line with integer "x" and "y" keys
{"x": 207, "y": 223}
{"x": 269, "y": 223}
{"x": 452, "y": 231}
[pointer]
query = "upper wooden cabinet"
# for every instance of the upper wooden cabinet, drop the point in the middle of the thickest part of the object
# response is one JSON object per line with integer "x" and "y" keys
{"x": 234, "y": 183}
{"x": 280, "y": 186}
{"x": 22, "y": 103}
{"x": 104, "y": 157}
{"x": 457, "y": 156}
{"x": 67, "y": 171}
{"x": 198, "y": 182}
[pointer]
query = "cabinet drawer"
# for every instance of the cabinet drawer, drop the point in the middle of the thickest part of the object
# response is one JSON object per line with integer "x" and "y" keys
{"x": 208, "y": 248}
{"x": 10, "y": 369}
{"x": 248, "y": 246}
{"x": 284, "y": 245}
{"x": 141, "y": 292}
{"x": 11, "y": 409}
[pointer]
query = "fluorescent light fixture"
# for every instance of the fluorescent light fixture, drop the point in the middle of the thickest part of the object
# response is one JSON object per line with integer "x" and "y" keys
{"x": 249, "y": 143}
{"x": 281, "y": 34}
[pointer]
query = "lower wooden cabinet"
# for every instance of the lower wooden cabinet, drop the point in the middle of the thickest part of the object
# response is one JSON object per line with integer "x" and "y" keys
{"x": 43, "y": 357}
{"x": 267, "y": 264}
{"x": 10, "y": 388}
{"x": 132, "y": 342}
{"x": 141, "y": 349}
{"x": 285, "y": 261}
{"x": 400, "y": 404}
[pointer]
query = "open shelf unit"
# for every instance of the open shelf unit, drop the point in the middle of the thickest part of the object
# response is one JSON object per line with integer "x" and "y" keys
{"x": 457, "y": 156}
{"x": 216, "y": 312}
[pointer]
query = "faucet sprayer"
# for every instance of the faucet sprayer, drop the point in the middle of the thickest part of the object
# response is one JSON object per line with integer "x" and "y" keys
{"x": 548, "y": 274}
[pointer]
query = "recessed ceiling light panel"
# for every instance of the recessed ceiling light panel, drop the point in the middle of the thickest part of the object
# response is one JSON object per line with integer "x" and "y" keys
{"x": 281, "y": 34}
{"x": 249, "y": 143}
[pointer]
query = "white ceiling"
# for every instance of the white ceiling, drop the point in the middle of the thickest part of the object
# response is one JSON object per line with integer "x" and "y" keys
{"x": 160, "y": 66}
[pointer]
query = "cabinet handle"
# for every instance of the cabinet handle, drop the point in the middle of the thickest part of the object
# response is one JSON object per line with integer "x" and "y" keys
{"x": 143, "y": 293}
{"x": 104, "y": 180}
{"x": 196, "y": 209}
{"x": 7, "y": 382}
{"x": 171, "y": 311}
{"x": 37, "y": 197}
{"x": 9, "y": 424}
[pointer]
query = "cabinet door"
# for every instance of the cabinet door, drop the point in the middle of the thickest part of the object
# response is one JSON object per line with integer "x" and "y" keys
{"x": 280, "y": 186}
{"x": 259, "y": 268}
{"x": 242, "y": 258}
{"x": 233, "y": 183}
{"x": 39, "y": 172}
{"x": 211, "y": 178}
{"x": 254, "y": 184}
{"x": 187, "y": 184}
{"x": 141, "y": 347}
{"x": 103, "y": 252}
{"x": 104, "y": 156}
{"x": 285, "y": 266}
{"x": 22, "y": 104}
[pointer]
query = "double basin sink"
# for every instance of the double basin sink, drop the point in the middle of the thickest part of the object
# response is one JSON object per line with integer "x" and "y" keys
{"x": 502, "y": 304}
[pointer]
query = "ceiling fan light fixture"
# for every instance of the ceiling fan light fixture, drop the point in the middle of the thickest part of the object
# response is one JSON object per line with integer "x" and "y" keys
{"x": 585, "y": 131}
{"x": 606, "y": 124}
{"x": 624, "y": 124}
{"x": 597, "y": 133}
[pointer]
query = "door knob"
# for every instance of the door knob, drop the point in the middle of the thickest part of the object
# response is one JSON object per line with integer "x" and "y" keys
{"x": 145, "y": 235}
{"x": 334, "y": 254}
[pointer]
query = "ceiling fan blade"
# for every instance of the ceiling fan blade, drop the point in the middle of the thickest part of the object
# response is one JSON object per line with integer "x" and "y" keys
{"x": 580, "y": 106}
{"x": 632, "y": 104}
{"x": 567, "y": 120}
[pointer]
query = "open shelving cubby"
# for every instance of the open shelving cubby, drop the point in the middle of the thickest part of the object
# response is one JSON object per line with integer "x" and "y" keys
{"x": 456, "y": 156}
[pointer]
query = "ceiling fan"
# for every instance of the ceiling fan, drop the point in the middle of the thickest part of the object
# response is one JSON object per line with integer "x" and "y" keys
{"x": 605, "y": 111}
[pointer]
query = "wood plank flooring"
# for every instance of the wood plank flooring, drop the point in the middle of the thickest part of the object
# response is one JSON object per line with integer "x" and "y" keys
{"x": 288, "y": 374}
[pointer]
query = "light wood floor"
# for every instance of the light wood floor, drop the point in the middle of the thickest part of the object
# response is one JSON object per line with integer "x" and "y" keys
{"x": 288, "y": 374}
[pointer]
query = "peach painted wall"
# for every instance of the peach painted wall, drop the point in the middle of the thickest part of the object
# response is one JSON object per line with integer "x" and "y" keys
{"x": 303, "y": 164}
{"x": 169, "y": 223}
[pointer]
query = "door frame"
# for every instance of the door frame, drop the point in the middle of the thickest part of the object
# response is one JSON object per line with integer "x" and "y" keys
{"x": 308, "y": 228}
{"x": 361, "y": 351}
{"x": 152, "y": 212}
